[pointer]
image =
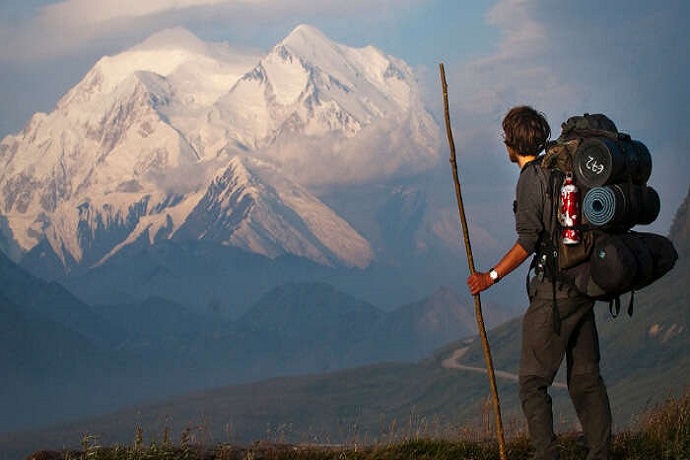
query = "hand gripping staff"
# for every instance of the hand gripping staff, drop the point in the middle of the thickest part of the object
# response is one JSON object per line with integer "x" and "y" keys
{"x": 470, "y": 261}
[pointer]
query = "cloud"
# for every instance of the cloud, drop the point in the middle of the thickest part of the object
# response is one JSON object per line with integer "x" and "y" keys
{"x": 71, "y": 26}
{"x": 385, "y": 149}
{"x": 628, "y": 59}
{"x": 77, "y": 13}
{"x": 517, "y": 71}
{"x": 85, "y": 12}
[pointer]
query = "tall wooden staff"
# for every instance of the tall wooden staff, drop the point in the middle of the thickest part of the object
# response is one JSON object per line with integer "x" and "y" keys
{"x": 470, "y": 261}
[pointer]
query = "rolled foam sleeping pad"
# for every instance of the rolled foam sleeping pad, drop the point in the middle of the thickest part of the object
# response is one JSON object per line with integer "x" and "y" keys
{"x": 621, "y": 204}
{"x": 599, "y": 206}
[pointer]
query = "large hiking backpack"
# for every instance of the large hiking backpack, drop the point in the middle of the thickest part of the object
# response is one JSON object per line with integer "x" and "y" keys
{"x": 611, "y": 170}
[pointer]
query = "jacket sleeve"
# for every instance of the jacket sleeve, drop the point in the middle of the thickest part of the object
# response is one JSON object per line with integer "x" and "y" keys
{"x": 529, "y": 208}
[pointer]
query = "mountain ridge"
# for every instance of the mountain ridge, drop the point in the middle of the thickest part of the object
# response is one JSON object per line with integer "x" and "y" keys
{"x": 134, "y": 136}
{"x": 158, "y": 348}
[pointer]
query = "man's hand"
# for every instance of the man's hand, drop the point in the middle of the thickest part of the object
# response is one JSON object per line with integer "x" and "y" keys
{"x": 513, "y": 258}
{"x": 479, "y": 282}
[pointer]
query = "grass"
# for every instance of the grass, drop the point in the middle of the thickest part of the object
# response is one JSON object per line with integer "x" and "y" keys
{"x": 662, "y": 433}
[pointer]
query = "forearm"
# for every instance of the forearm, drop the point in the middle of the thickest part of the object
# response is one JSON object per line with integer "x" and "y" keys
{"x": 513, "y": 258}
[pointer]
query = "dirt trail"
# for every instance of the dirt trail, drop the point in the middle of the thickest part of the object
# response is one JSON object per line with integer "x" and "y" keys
{"x": 453, "y": 362}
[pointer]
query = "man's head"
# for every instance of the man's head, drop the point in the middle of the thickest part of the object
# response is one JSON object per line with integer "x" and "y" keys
{"x": 525, "y": 131}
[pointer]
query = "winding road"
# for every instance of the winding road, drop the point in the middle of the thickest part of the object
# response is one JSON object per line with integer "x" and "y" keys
{"x": 453, "y": 362}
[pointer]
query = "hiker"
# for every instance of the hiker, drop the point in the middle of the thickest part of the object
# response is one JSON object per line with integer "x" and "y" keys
{"x": 560, "y": 320}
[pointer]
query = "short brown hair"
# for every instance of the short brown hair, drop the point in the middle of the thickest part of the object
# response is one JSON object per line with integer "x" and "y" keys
{"x": 525, "y": 130}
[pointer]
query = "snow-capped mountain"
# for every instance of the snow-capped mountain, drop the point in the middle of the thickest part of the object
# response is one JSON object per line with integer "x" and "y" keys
{"x": 176, "y": 138}
{"x": 251, "y": 205}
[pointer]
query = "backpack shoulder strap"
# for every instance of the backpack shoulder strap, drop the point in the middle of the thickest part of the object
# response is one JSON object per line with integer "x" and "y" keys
{"x": 548, "y": 250}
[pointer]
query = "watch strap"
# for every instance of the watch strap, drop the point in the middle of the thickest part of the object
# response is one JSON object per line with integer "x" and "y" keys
{"x": 494, "y": 275}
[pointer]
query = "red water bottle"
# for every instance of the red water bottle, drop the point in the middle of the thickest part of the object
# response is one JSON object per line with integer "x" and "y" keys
{"x": 569, "y": 210}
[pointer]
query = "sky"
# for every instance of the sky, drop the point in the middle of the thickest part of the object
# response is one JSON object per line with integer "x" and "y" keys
{"x": 625, "y": 58}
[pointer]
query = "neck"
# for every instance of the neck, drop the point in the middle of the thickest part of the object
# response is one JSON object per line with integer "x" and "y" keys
{"x": 523, "y": 160}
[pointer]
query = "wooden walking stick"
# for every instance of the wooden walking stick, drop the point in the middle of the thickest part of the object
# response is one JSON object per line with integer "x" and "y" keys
{"x": 470, "y": 261}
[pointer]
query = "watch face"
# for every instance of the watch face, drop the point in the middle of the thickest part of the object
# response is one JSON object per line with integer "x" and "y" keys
{"x": 493, "y": 274}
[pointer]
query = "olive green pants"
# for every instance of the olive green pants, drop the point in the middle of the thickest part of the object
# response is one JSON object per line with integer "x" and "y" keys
{"x": 543, "y": 351}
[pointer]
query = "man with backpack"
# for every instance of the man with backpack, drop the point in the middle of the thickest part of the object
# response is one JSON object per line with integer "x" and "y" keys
{"x": 560, "y": 320}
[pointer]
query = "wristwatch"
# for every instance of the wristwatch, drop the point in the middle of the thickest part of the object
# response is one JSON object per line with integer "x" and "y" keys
{"x": 494, "y": 275}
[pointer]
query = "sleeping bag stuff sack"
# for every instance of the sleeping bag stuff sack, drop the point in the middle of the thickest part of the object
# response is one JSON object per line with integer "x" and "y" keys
{"x": 626, "y": 262}
{"x": 607, "y": 160}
